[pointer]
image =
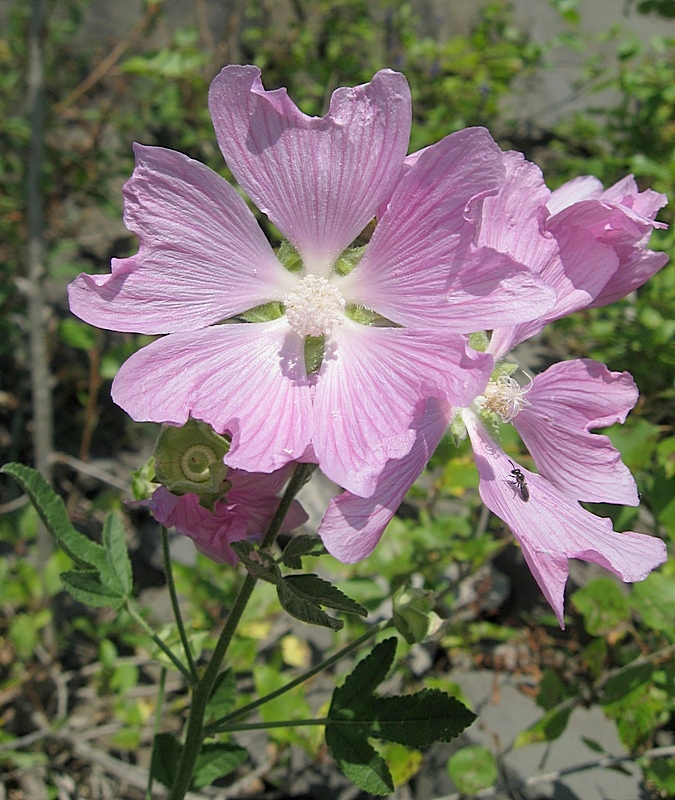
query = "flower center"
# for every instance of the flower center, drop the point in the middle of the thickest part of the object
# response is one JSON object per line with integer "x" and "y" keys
{"x": 195, "y": 463}
{"x": 505, "y": 397}
{"x": 314, "y": 307}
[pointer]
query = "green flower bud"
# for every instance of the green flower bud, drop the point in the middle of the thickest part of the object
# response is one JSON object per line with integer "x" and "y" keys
{"x": 190, "y": 459}
{"x": 413, "y": 614}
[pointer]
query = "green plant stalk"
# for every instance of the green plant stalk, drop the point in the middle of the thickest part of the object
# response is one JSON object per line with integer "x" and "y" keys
{"x": 163, "y": 647}
{"x": 194, "y": 732}
{"x": 171, "y": 586}
{"x": 221, "y": 725}
{"x": 155, "y": 731}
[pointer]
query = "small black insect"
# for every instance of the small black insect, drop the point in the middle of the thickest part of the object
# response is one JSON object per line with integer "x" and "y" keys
{"x": 519, "y": 482}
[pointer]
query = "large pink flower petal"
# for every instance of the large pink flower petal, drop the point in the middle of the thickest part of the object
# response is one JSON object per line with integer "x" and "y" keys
{"x": 421, "y": 249}
{"x": 552, "y": 528}
{"x": 352, "y": 526}
{"x": 320, "y": 180}
{"x": 202, "y": 258}
{"x": 248, "y": 379}
{"x": 565, "y": 403}
{"x": 369, "y": 386}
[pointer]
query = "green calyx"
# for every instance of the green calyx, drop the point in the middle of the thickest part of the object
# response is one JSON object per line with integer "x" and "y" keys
{"x": 189, "y": 459}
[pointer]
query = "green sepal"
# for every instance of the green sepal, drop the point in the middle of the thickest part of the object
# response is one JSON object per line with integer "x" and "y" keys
{"x": 143, "y": 482}
{"x": 348, "y": 259}
{"x": 264, "y": 313}
{"x": 314, "y": 351}
{"x": 479, "y": 340}
{"x": 364, "y": 316}
{"x": 289, "y": 256}
{"x": 189, "y": 459}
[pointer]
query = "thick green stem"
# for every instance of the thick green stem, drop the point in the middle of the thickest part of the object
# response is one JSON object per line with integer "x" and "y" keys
{"x": 194, "y": 732}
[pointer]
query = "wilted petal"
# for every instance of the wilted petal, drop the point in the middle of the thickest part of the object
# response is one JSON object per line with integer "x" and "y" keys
{"x": 320, "y": 180}
{"x": 369, "y": 387}
{"x": 202, "y": 257}
{"x": 552, "y": 528}
{"x": 249, "y": 380}
{"x": 352, "y": 526}
{"x": 564, "y": 404}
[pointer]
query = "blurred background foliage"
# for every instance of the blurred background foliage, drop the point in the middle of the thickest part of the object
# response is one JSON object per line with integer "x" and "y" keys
{"x": 101, "y": 96}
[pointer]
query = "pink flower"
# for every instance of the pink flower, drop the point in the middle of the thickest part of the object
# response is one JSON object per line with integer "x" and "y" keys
{"x": 588, "y": 243}
{"x": 244, "y": 513}
{"x": 562, "y": 405}
{"x": 389, "y": 330}
{"x": 591, "y": 254}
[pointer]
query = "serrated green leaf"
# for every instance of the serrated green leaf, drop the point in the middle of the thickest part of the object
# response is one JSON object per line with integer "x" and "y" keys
{"x": 357, "y": 714}
{"x": 302, "y": 545}
{"x": 118, "y": 574}
{"x": 216, "y": 761}
{"x": 165, "y": 757}
{"x": 322, "y": 593}
{"x": 53, "y": 513}
{"x": 86, "y": 587}
{"x": 257, "y": 562}
{"x": 359, "y": 761}
{"x": 298, "y": 606}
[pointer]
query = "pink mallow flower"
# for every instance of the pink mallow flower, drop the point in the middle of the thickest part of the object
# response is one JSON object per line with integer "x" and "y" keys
{"x": 554, "y": 416}
{"x": 245, "y": 512}
{"x": 587, "y": 260}
{"x": 389, "y": 325}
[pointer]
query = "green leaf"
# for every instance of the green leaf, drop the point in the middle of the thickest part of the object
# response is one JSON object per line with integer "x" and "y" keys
{"x": 302, "y": 545}
{"x": 603, "y": 605}
{"x": 322, "y": 593}
{"x": 78, "y": 334}
{"x": 357, "y": 714}
{"x": 86, "y": 587}
{"x": 654, "y": 600}
{"x": 548, "y": 728}
{"x": 215, "y": 761}
{"x": 53, "y": 513}
{"x": 118, "y": 566}
{"x": 297, "y": 605}
{"x": 257, "y": 562}
{"x": 473, "y": 768}
{"x": 165, "y": 757}
{"x": 223, "y": 696}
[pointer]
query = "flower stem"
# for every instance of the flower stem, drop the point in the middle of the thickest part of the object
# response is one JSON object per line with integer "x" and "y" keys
{"x": 171, "y": 586}
{"x": 222, "y": 724}
{"x": 194, "y": 732}
{"x": 168, "y": 652}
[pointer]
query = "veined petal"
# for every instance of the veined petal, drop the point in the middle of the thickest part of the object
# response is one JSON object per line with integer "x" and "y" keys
{"x": 421, "y": 248}
{"x": 584, "y": 187}
{"x": 564, "y": 404}
{"x": 248, "y": 379}
{"x": 352, "y": 526}
{"x": 552, "y": 528}
{"x": 577, "y": 272}
{"x": 320, "y": 180}
{"x": 202, "y": 257}
{"x": 369, "y": 386}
